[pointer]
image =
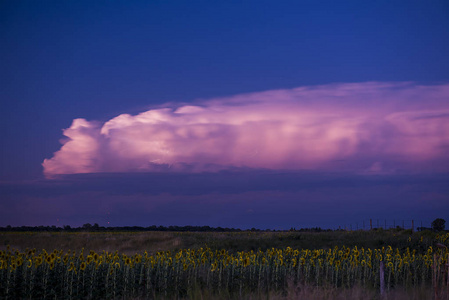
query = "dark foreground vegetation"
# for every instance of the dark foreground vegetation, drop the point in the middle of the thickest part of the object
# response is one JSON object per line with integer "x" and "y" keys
{"x": 224, "y": 265}
{"x": 154, "y": 241}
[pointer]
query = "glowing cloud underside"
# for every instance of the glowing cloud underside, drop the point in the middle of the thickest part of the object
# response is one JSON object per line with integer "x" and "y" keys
{"x": 362, "y": 127}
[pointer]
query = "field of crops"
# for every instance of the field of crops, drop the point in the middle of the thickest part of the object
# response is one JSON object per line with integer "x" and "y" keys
{"x": 84, "y": 274}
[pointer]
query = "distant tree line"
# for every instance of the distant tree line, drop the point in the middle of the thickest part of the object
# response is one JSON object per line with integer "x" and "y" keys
{"x": 437, "y": 225}
{"x": 95, "y": 227}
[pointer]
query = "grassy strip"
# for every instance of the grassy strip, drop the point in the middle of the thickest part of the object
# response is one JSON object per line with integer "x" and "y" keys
{"x": 131, "y": 242}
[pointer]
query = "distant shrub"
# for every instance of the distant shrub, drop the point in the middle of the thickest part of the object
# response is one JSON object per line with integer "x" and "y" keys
{"x": 438, "y": 224}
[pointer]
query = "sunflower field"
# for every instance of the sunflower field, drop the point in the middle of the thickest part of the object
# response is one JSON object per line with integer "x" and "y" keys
{"x": 108, "y": 275}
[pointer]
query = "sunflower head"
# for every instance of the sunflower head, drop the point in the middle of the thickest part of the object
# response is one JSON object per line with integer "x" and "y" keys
{"x": 38, "y": 260}
{"x": 90, "y": 258}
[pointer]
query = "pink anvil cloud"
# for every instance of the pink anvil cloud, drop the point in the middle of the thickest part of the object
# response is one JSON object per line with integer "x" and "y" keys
{"x": 372, "y": 127}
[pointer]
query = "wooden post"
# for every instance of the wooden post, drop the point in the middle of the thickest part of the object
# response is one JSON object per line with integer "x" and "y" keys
{"x": 370, "y": 224}
{"x": 447, "y": 265}
{"x": 382, "y": 281}
{"x": 413, "y": 226}
{"x": 435, "y": 277}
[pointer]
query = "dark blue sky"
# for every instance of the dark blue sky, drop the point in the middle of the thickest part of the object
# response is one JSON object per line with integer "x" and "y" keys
{"x": 62, "y": 60}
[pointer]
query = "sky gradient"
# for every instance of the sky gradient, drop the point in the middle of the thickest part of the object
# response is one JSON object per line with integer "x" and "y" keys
{"x": 257, "y": 114}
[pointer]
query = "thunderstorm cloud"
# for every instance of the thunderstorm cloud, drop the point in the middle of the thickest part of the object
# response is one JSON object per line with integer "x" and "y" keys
{"x": 366, "y": 128}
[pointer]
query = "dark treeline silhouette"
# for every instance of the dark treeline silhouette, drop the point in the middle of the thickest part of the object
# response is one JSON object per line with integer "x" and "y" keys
{"x": 314, "y": 229}
{"x": 95, "y": 227}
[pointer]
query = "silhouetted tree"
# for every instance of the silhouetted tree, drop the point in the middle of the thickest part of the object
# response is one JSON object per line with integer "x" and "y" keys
{"x": 87, "y": 226}
{"x": 438, "y": 224}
